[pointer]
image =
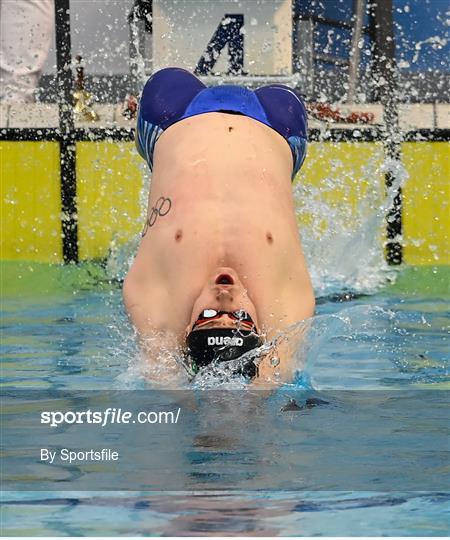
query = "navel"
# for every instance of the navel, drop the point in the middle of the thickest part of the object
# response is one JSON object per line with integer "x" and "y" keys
{"x": 230, "y": 128}
{"x": 178, "y": 235}
{"x": 269, "y": 237}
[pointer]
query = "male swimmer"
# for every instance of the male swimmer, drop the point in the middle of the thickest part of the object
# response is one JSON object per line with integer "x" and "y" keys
{"x": 220, "y": 269}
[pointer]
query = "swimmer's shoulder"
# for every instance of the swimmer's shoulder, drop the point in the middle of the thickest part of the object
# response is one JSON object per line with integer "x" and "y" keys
{"x": 145, "y": 300}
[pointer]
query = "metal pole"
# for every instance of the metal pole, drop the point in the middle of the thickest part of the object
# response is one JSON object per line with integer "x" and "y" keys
{"x": 137, "y": 49}
{"x": 303, "y": 60}
{"x": 382, "y": 29}
{"x": 64, "y": 85}
{"x": 140, "y": 20}
{"x": 355, "y": 53}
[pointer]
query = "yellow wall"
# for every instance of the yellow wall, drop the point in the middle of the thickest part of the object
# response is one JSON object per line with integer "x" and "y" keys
{"x": 426, "y": 204}
{"x": 30, "y": 201}
{"x": 340, "y": 176}
{"x": 110, "y": 178}
{"x": 109, "y": 182}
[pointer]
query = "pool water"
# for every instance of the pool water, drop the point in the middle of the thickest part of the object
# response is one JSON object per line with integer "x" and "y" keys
{"x": 64, "y": 329}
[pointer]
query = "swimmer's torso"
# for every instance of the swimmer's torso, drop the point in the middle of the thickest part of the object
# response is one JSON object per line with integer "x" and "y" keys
{"x": 228, "y": 179}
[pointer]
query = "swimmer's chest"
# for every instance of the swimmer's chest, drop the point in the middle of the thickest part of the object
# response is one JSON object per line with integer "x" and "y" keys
{"x": 185, "y": 253}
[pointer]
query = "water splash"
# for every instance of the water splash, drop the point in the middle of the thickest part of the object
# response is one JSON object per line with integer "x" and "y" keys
{"x": 342, "y": 243}
{"x": 121, "y": 256}
{"x": 368, "y": 329}
{"x": 436, "y": 43}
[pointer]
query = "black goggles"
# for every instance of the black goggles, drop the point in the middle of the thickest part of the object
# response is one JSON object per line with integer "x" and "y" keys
{"x": 211, "y": 314}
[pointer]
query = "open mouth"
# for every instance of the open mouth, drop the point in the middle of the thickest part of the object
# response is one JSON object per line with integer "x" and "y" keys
{"x": 224, "y": 279}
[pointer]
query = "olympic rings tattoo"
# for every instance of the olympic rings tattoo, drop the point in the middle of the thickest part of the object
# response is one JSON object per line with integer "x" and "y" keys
{"x": 161, "y": 208}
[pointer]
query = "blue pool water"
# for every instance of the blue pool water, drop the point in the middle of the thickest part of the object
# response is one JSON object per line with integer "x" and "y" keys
{"x": 64, "y": 329}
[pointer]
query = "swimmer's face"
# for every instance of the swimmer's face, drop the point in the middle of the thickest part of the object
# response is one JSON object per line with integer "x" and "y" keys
{"x": 223, "y": 292}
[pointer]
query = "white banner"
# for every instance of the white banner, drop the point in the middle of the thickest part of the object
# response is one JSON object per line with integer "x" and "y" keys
{"x": 251, "y": 37}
